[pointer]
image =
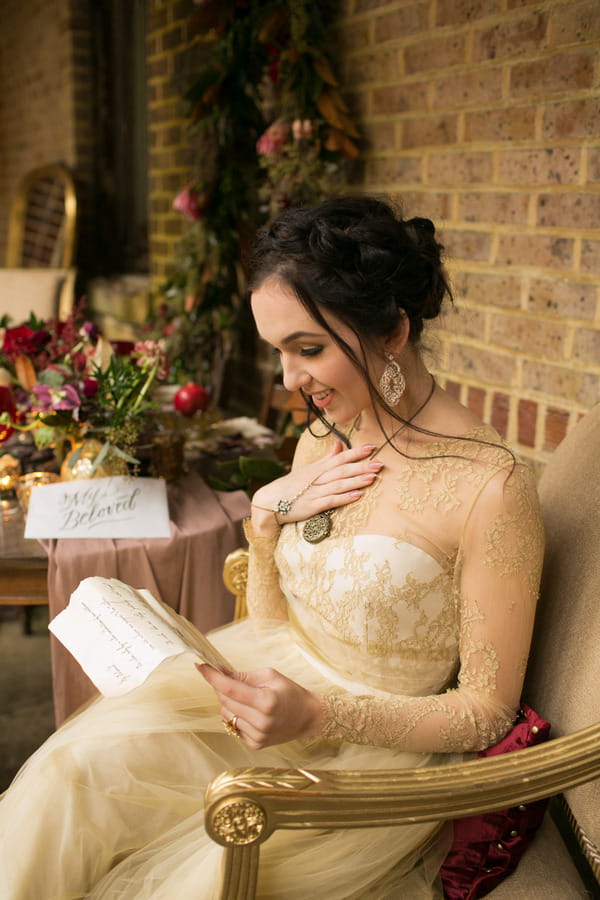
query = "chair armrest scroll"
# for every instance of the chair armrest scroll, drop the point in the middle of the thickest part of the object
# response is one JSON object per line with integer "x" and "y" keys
{"x": 246, "y": 806}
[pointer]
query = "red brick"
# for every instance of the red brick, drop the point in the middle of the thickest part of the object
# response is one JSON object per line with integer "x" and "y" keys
{"x": 500, "y": 413}
{"x": 563, "y": 298}
{"x": 555, "y": 427}
{"x": 376, "y": 65}
{"x": 517, "y": 36}
{"x": 594, "y": 164}
{"x": 586, "y": 346}
{"x": 572, "y": 119}
{"x": 495, "y": 208}
{"x": 590, "y": 257}
{"x": 399, "y": 98}
{"x": 569, "y": 210}
{"x": 379, "y": 134}
{"x": 464, "y": 89}
{"x": 575, "y": 23}
{"x": 401, "y": 22}
{"x": 490, "y": 290}
{"x": 552, "y": 165}
{"x": 460, "y": 168}
{"x": 529, "y": 335}
{"x": 525, "y": 249}
{"x": 449, "y": 12}
{"x": 567, "y": 384}
{"x": 512, "y": 124}
{"x": 435, "y": 53}
{"x": 476, "y": 400}
{"x": 526, "y": 422}
{"x": 429, "y": 131}
{"x": 541, "y": 77}
{"x": 366, "y": 5}
{"x": 468, "y": 245}
{"x": 435, "y": 206}
{"x": 390, "y": 169}
{"x": 464, "y": 321}
{"x": 485, "y": 365}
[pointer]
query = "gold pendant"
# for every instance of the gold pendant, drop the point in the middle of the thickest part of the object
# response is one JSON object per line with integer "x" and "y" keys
{"x": 318, "y": 527}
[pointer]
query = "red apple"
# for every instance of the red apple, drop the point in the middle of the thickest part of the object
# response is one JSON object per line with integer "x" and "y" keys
{"x": 190, "y": 398}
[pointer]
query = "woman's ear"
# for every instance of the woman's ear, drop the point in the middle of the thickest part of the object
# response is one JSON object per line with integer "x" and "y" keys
{"x": 396, "y": 342}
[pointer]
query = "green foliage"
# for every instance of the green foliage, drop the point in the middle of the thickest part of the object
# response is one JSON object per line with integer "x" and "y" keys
{"x": 253, "y": 62}
{"x": 246, "y": 473}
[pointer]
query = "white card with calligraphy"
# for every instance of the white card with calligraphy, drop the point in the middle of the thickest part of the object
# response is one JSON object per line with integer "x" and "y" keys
{"x": 119, "y": 635}
{"x": 117, "y": 507}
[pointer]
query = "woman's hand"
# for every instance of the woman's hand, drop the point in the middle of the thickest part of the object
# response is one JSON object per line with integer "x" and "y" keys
{"x": 336, "y": 480}
{"x": 270, "y": 708}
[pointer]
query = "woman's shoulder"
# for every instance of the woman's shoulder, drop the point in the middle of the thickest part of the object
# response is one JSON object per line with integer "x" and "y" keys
{"x": 314, "y": 442}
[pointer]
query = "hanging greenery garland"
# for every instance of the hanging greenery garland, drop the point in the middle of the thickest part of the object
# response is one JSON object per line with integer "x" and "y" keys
{"x": 270, "y": 129}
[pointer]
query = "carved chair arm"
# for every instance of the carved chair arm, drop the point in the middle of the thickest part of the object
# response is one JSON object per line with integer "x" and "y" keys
{"x": 244, "y": 806}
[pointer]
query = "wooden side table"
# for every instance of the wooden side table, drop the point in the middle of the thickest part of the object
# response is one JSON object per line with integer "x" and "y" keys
{"x": 23, "y": 568}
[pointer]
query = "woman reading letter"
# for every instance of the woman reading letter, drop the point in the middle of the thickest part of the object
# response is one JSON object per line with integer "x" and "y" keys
{"x": 392, "y": 589}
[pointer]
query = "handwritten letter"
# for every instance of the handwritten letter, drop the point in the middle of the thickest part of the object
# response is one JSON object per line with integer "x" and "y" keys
{"x": 119, "y": 635}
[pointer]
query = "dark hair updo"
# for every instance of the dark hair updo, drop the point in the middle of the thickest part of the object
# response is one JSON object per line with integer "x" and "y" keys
{"x": 355, "y": 258}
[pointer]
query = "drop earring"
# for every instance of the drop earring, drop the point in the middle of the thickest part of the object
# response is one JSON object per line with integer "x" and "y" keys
{"x": 392, "y": 383}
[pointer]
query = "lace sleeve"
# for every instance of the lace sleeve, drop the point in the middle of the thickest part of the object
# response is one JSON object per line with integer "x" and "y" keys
{"x": 496, "y": 583}
{"x": 264, "y": 596}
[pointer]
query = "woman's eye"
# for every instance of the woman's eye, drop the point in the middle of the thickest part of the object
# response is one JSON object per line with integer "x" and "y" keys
{"x": 310, "y": 351}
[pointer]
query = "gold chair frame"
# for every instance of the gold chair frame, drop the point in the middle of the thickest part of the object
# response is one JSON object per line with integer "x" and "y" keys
{"x": 20, "y": 224}
{"x": 245, "y": 806}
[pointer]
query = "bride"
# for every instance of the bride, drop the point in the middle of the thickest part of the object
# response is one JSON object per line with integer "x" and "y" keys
{"x": 392, "y": 588}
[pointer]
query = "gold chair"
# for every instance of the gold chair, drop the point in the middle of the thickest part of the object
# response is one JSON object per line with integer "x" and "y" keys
{"x": 245, "y": 806}
{"x": 39, "y": 276}
{"x": 43, "y": 219}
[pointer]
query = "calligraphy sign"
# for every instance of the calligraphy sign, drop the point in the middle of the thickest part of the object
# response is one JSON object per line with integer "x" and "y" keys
{"x": 117, "y": 507}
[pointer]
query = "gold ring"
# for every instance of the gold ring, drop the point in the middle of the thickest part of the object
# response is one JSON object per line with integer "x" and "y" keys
{"x": 230, "y": 726}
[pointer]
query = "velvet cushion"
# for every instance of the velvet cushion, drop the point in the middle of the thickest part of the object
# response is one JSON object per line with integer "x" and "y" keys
{"x": 487, "y": 847}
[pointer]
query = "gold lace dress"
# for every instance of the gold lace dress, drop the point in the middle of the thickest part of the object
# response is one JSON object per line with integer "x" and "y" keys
{"x": 417, "y": 640}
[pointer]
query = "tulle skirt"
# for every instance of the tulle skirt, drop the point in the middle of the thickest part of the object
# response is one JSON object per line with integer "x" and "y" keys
{"x": 111, "y": 806}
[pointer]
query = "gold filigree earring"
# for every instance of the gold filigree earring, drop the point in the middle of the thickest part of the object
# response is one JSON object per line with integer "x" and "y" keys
{"x": 392, "y": 383}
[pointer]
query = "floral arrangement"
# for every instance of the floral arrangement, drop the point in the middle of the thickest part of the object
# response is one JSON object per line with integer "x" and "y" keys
{"x": 67, "y": 385}
{"x": 269, "y": 128}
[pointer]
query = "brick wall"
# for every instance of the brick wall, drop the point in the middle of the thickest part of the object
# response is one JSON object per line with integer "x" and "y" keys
{"x": 169, "y": 145}
{"x": 485, "y": 116}
{"x": 45, "y": 108}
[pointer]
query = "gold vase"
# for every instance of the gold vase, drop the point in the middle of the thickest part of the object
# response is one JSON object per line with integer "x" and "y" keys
{"x": 85, "y": 456}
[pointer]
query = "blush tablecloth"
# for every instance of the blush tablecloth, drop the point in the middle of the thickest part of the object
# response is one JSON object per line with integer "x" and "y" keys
{"x": 184, "y": 571}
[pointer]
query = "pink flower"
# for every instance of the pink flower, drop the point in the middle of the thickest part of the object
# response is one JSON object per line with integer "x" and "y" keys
{"x": 50, "y": 399}
{"x": 190, "y": 202}
{"x": 146, "y": 354}
{"x": 274, "y": 138}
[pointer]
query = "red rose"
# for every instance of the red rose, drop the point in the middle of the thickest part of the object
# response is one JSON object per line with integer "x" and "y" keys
{"x": 22, "y": 341}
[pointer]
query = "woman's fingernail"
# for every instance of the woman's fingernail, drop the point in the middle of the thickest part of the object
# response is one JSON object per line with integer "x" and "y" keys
{"x": 369, "y": 447}
{"x": 375, "y": 466}
{"x": 356, "y": 494}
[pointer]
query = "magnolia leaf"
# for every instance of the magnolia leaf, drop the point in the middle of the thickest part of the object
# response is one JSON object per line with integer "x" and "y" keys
{"x": 336, "y": 141}
{"x": 25, "y": 372}
{"x": 328, "y": 106}
{"x": 324, "y": 71}
{"x": 271, "y": 26}
{"x": 101, "y": 456}
{"x": 123, "y": 455}
{"x": 260, "y": 468}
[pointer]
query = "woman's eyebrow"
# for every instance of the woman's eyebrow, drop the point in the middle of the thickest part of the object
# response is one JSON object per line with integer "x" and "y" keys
{"x": 296, "y": 335}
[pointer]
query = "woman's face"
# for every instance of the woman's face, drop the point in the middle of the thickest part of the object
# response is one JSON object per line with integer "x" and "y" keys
{"x": 310, "y": 358}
